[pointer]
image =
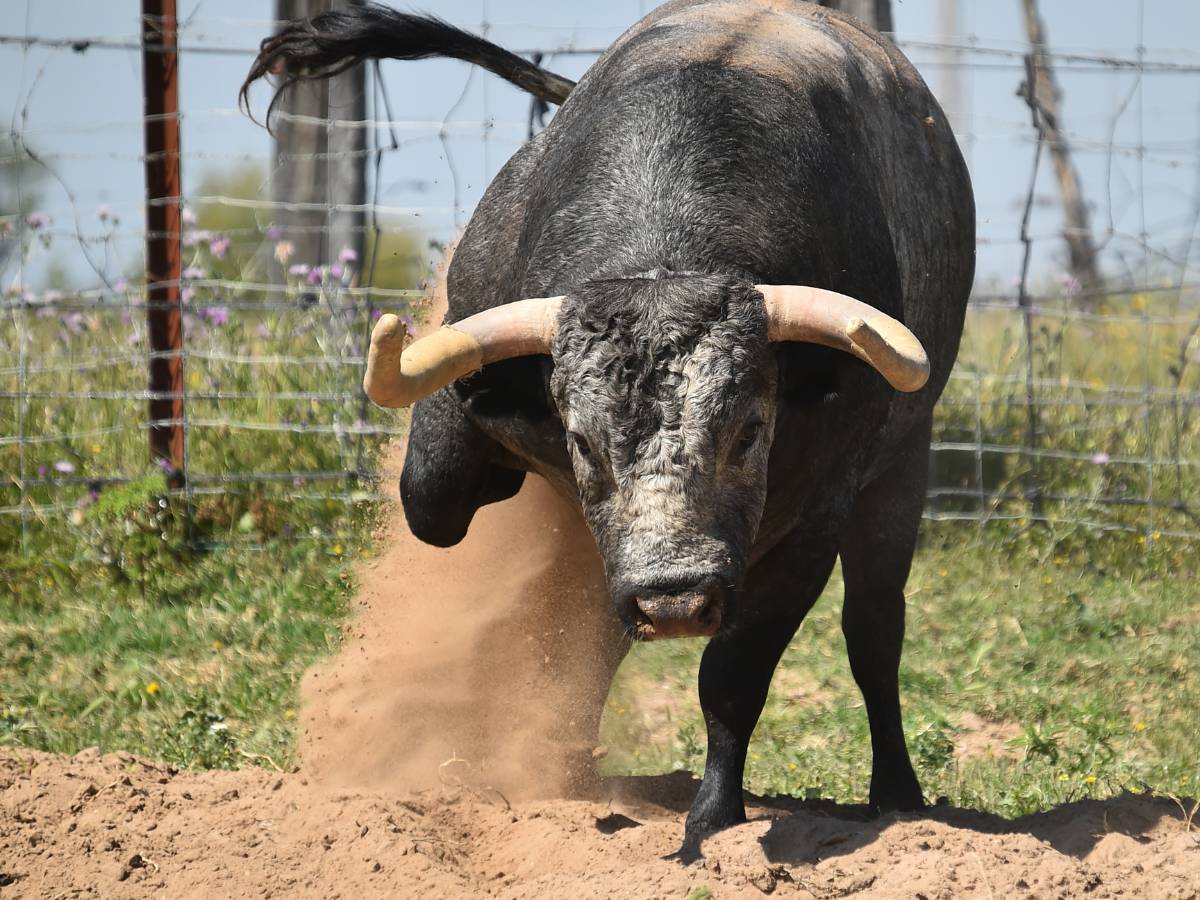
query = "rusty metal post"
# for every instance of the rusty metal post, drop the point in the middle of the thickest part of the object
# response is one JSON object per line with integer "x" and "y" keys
{"x": 164, "y": 221}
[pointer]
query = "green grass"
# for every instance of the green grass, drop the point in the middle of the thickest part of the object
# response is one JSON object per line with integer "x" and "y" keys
{"x": 1085, "y": 677}
{"x": 1072, "y": 645}
{"x": 203, "y": 681}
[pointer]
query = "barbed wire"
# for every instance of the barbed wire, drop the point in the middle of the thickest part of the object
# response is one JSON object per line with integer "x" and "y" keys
{"x": 274, "y": 345}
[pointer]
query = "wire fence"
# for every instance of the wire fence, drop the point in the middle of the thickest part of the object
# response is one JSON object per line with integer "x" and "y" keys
{"x": 1078, "y": 408}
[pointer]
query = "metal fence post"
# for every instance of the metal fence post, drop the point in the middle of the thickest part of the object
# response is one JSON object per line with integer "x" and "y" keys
{"x": 164, "y": 316}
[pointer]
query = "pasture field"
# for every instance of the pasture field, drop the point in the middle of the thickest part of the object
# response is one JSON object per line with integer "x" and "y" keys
{"x": 1044, "y": 662}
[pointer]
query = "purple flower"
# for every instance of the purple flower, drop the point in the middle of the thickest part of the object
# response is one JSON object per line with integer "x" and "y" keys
{"x": 193, "y": 272}
{"x": 1070, "y": 284}
{"x": 104, "y": 213}
{"x": 37, "y": 221}
{"x": 121, "y": 285}
{"x": 347, "y": 255}
{"x": 262, "y": 330}
{"x": 299, "y": 270}
{"x": 1101, "y": 458}
{"x": 64, "y": 467}
{"x": 274, "y": 232}
{"x": 336, "y": 271}
{"x": 73, "y": 322}
{"x": 43, "y": 471}
{"x": 376, "y": 314}
{"x": 185, "y": 296}
{"x": 191, "y": 238}
{"x": 188, "y": 217}
{"x": 314, "y": 276}
{"x": 219, "y": 246}
{"x": 165, "y": 465}
{"x": 216, "y": 315}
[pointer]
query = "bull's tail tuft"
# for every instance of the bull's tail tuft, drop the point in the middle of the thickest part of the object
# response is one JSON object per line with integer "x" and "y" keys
{"x": 334, "y": 41}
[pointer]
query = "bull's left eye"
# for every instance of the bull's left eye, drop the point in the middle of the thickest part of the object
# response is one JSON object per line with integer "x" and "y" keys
{"x": 749, "y": 436}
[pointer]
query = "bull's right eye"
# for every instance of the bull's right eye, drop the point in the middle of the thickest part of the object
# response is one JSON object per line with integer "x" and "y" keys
{"x": 579, "y": 444}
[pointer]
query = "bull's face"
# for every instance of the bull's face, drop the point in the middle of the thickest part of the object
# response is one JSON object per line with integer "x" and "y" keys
{"x": 666, "y": 388}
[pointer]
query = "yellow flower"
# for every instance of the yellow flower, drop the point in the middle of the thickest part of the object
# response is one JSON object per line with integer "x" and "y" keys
{"x": 290, "y": 714}
{"x": 792, "y": 766}
{"x": 1140, "y": 302}
{"x": 217, "y": 645}
{"x": 96, "y": 448}
{"x": 1090, "y": 779}
{"x": 337, "y": 549}
{"x": 1064, "y": 777}
{"x": 152, "y": 688}
{"x": 1156, "y": 535}
{"x": 1139, "y": 726}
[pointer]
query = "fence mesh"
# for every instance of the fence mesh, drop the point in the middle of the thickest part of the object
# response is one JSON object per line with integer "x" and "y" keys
{"x": 1078, "y": 408}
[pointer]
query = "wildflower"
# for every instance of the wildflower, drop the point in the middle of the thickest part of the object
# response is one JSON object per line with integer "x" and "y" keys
{"x": 1139, "y": 726}
{"x": 284, "y": 251}
{"x": 338, "y": 549}
{"x": 73, "y": 322}
{"x": 193, "y": 237}
{"x": 37, "y": 221}
{"x": 315, "y": 277}
{"x": 274, "y": 232}
{"x": 43, "y": 471}
{"x": 66, "y": 468}
{"x": 217, "y": 645}
{"x": 336, "y": 271}
{"x": 185, "y": 296}
{"x": 188, "y": 217}
{"x": 1140, "y": 302}
{"x": 165, "y": 465}
{"x": 1090, "y": 779}
{"x": 219, "y": 246}
{"x": 376, "y": 314}
{"x": 104, "y": 213}
{"x": 216, "y": 315}
{"x": 1064, "y": 777}
{"x": 347, "y": 255}
{"x": 298, "y": 269}
{"x": 121, "y": 285}
{"x": 1070, "y": 284}
{"x": 262, "y": 331}
{"x": 152, "y": 688}
{"x": 791, "y": 767}
{"x": 1101, "y": 458}
{"x": 194, "y": 272}
{"x": 290, "y": 714}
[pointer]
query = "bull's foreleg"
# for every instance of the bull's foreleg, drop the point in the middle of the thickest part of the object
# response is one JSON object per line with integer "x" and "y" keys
{"x": 736, "y": 671}
{"x": 448, "y": 472}
{"x": 877, "y": 550}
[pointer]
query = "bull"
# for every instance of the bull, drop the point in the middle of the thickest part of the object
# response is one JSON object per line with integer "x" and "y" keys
{"x": 714, "y": 302}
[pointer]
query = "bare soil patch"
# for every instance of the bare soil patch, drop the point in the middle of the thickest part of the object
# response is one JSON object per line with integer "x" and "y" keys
{"x": 116, "y": 826}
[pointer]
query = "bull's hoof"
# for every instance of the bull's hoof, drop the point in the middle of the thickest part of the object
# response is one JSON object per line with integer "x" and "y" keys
{"x": 897, "y": 798}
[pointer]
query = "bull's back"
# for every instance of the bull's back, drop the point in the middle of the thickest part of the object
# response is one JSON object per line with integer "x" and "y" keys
{"x": 907, "y": 153}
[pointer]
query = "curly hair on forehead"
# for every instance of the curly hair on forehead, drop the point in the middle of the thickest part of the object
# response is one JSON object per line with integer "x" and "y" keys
{"x": 623, "y": 345}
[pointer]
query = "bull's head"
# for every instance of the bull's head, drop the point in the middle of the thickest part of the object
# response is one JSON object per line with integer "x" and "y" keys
{"x": 666, "y": 392}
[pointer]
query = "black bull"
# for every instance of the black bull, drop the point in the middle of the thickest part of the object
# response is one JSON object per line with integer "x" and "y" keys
{"x": 716, "y": 146}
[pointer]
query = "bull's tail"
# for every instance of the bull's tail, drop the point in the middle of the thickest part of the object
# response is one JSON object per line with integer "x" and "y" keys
{"x": 334, "y": 41}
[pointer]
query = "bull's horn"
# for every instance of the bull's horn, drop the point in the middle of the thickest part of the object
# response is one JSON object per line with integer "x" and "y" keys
{"x": 816, "y": 316}
{"x": 400, "y": 377}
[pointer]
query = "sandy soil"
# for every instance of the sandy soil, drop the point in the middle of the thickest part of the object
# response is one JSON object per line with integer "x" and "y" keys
{"x": 115, "y": 826}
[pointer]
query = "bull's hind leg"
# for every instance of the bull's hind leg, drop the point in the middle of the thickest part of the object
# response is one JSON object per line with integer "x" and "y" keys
{"x": 876, "y": 550}
{"x": 736, "y": 670}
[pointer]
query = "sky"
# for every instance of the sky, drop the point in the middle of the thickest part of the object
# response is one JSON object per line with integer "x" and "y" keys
{"x": 82, "y": 113}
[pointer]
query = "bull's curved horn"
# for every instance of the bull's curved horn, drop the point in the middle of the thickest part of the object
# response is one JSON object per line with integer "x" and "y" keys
{"x": 816, "y": 316}
{"x": 397, "y": 376}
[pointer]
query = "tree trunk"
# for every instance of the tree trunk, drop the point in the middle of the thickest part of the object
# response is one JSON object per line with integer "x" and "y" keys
{"x": 1044, "y": 96}
{"x": 320, "y": 164}
{"x": 876, "y": 13}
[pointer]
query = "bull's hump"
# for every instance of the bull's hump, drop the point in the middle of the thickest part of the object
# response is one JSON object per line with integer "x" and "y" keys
{"x": 789, "y": 41}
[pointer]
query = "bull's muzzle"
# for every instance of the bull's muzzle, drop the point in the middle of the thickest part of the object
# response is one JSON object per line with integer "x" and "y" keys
{"x": 692, "y": 613}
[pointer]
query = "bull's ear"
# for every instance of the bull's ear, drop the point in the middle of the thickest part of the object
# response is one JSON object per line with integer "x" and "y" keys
{"x": 809, "y": 374}
{"x": 517, "y": 387}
